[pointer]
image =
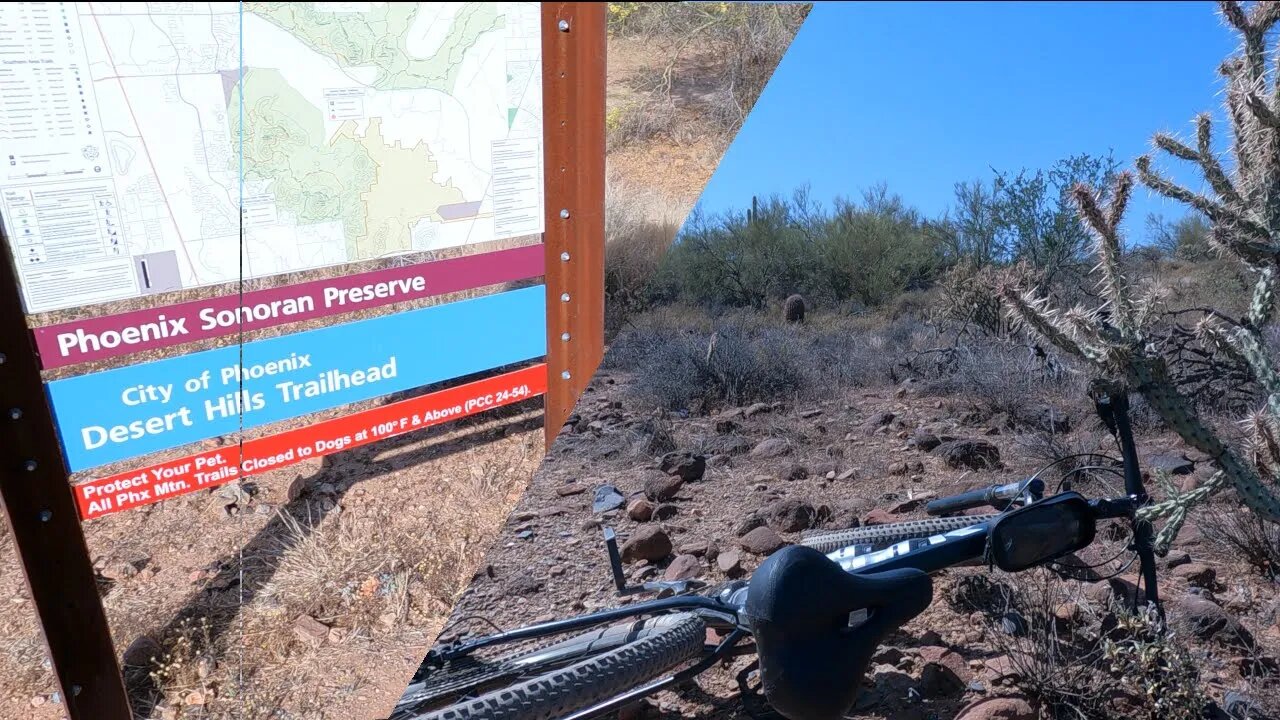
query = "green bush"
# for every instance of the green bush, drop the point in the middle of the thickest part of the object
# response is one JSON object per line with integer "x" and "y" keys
{"x": 868, "y": 252}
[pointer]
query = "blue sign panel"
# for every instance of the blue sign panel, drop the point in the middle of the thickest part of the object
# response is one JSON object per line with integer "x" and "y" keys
{"x": 119, "y": 414}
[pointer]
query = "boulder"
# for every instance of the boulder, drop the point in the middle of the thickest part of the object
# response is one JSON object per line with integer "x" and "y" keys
{"x": 1207, "y": 621}
{"x": 1197, "y": 574}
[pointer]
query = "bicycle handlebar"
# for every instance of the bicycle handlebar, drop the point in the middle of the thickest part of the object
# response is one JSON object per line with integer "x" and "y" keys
{"x": 997, "y": 496}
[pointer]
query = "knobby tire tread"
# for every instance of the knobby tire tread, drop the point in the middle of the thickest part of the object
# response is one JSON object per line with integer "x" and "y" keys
{"x": 885, "y": 535}
{"x": 583, "y": 684}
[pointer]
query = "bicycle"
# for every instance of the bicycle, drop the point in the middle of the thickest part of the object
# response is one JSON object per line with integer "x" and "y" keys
{"x": 813, "y": 613}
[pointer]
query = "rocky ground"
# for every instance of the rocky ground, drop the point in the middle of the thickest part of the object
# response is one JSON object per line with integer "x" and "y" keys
{"x": 710, "y": 497}
{"x": 314, "y": 592}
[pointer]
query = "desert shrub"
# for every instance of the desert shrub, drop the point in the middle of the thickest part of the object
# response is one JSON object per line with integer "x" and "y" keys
{"x": 1085, "y": 665}
{"x": 1186, "y": 238}
{"x": 745, "y": 41}
{"x": 639, "y": 227}
{"x": 1004, "y": 378}
{"x": 869, "y": 252}
{"x": 640, "y": 121}
{"x": 1051, "y": 663}
{"x": 1245, "y": 536}
{"x": 733, "y": 365}
{"x": 874, "y": 250}
{"x": 1160, "y": 678}
{"x": 732, "y": 261}
{"x": 686, "y": 359}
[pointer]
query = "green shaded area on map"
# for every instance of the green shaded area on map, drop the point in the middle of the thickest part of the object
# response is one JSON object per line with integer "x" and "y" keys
{"x": 377, "y": 191}
{"x": 284, "y": 142}
{"x": 377, "y": 38}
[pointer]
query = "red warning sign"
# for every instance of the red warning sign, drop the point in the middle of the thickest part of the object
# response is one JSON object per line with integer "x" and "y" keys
{"x": 162, "y": 481}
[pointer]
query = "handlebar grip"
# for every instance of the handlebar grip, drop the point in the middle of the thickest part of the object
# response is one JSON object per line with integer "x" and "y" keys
{"x": 958, "y": 503}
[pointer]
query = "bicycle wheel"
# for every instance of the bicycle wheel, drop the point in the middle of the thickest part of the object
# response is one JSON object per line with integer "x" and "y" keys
{"x": 881, "y": 536}
{"x": 547, "y": 683}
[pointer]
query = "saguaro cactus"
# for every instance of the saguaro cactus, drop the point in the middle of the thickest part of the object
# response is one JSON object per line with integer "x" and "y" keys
{"x": 1244, "y": 210}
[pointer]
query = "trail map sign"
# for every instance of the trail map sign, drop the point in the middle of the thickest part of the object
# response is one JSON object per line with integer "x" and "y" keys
{"x": 141, "y": 139}
{"x": 401, "y": 206}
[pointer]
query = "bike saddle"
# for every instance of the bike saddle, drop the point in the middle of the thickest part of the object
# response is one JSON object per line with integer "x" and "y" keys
{"x": 798, "y": 608}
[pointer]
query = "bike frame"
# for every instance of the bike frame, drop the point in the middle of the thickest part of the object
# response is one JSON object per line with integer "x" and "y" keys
{"x": 722, "y": 611}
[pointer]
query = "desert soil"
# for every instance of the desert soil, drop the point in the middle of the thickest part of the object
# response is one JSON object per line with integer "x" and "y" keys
{"x": 842, "y": 461}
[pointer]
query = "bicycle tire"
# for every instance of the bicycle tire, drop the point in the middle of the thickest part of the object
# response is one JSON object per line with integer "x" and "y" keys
{"x": 885, "y": 535}
{"x": 435, "y": 687}
{"x": 588, "y": 682}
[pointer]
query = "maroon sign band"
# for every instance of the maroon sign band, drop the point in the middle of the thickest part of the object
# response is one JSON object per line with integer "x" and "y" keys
{"x": 98, "y": 338}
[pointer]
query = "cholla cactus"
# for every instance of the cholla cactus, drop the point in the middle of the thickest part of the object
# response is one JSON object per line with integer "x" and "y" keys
{"x": 1245, "y": 212}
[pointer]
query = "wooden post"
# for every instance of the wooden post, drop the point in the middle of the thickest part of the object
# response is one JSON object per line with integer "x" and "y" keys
{"x": 574, "y": 43}
{"x": 41, "y": 510}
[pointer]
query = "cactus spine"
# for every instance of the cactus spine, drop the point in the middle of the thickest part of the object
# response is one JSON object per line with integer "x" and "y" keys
{"x": 1244, "y": 209}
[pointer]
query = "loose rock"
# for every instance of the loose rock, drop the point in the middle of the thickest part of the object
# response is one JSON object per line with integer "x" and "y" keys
{"x": 607, "y": 498}
{"x": 879, "y": 516}
{"x": 687, "y": 466}
{"x": 640, "y": 510}
{"x": 944, "y": 672}
{"x": 771, "y": 448}
{"x": 648, "y": 542}
{"x": 1172, "y": 463}
{"x": 790, "y": 515}
{"x": 748, "y": 523}
{"x": 662, "y": 488}
{"x": 730, "y": 563}
{"x": 1197, "y": 574}
{"x": 310, "y": 630}
{"x": 684, "y": 567}
{"x": 971, "y": 454}
{"x": 762, "y": 541}
{"x": 911, "y": 504}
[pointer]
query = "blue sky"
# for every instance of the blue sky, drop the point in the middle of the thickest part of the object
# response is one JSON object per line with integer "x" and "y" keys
{"x": 922, "y": 95}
